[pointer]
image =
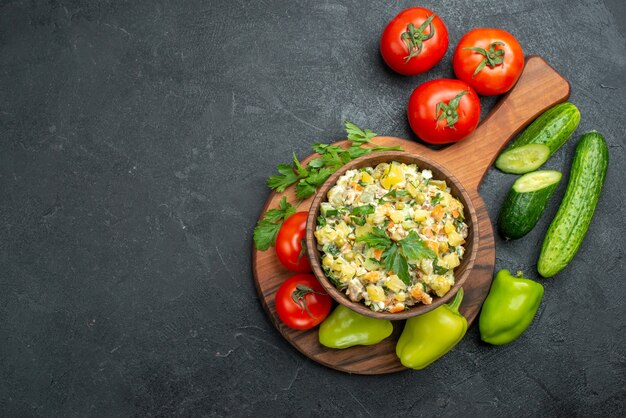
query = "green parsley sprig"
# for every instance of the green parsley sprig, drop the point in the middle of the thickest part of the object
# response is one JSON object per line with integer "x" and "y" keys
{"x": 397, "y": 255}
{"x": 268, "y": 227}
{"x": 378, "y": 238}
{"x": 308, "y": 179}
{"x": 331, "y": 158}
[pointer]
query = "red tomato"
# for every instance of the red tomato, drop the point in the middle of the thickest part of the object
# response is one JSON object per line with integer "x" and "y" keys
{"x": 414, "y": 41}
{"x": 443, "y": 110}
{"x": 301, "y": 302}
{"x": 290, "y": 247}
{"x": 489, "y": 60}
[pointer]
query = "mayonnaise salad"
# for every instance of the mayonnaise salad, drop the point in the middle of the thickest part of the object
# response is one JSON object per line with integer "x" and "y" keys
{"x": 391, "y": 236}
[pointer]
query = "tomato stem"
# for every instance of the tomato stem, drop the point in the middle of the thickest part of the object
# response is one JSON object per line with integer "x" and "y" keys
{"x": 493, "y": 56}
{"x": 414, "y": 38}
{"x": 302, "y": 249}
{"x": 299, "y": 297}
{"x": 449, "y": 111}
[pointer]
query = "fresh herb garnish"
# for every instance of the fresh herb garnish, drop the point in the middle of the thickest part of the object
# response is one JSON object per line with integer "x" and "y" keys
{"x": 397, "y": 255}
{"x": 362, "y": 210}
{"x": 357, "y": 135}
{"x": 331, "y": 158}
{"x": 331, "y": 249}
{"x": 414, "y": 248}
{"x": 267, "y": 228}
{"x": 306, "y": 187}
{"x": 397, "y": 193}
{"x": 358, "y": 220}
{"x": 309, "y": 178}
{"x": 333, "y": 279}
{"x": 396, "y": 263}
{"x": 284, "y": 179}
{"x": 378, "y": 238}
{"x": 435, "y": 200}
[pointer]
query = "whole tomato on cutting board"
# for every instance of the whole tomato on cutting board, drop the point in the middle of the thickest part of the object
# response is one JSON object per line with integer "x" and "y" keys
{"x": 489, "y": 60}
{"x": 443, "y": 111}
{"x": 414, "y": 41}
{"x": 301, "y": 302}
{"x": 290, "y": 247}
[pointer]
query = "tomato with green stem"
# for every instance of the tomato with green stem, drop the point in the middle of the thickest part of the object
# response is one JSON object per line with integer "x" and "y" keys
{"x": 301, "y": 302}
{"x": 414, "y": 41}
{"x": 290, "y": 244}
{"x": 489, "y": 60}
{"x": 443, "y": 111}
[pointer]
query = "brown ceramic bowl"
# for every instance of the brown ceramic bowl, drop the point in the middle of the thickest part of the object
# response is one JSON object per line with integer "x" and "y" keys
{"x": 439, "y": 173}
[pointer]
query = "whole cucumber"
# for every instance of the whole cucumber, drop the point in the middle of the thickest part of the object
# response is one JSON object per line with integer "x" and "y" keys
{"x": 552, "y": 128}
{"x": 567, "y": 230}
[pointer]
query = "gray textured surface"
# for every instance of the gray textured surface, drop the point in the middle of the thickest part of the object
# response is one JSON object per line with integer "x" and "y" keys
{"x": 136, "y": 137}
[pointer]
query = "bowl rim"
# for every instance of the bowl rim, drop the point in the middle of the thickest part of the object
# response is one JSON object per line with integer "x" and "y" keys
{"x": 314, "y": 253}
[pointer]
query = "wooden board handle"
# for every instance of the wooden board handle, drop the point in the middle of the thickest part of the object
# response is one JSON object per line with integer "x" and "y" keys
{"x": 539, "y": 88}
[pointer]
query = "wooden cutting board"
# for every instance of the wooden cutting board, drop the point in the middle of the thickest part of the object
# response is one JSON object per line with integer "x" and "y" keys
{"x": 538, "y": 88}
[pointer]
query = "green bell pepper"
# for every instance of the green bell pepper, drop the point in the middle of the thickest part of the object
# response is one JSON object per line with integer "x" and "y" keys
{"x": 429, "y": 336}
{"x": 509, "y": 308}
{"x": 345, "y": 328}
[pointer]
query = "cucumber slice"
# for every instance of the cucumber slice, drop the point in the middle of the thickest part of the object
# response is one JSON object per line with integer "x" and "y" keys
{"x": 523, "y": 159}
{"x": 328, "y": 210}
{"x": 324, "y": 207}
{"x": 526, "y": 202}
{"x": 537, "y": 180}
{"x": 552, "y": 129}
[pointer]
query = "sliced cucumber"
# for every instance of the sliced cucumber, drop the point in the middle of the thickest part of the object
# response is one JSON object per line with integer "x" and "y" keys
{"x": 327, "y": 209}
{"x": 535, "y": 181}
{"x": 523, "y": 159}
{"x": 552, "y": 129}
{"x": 324, "y": 207}
{"x": 526, "y": 202}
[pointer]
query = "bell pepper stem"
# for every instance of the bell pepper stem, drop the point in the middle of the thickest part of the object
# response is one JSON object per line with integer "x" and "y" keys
{"x": 456, "y": 302}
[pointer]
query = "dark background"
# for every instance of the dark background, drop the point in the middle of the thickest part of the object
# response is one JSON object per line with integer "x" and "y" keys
{"x": 135, "y": 141}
